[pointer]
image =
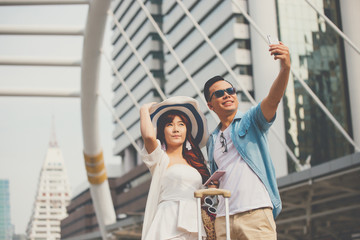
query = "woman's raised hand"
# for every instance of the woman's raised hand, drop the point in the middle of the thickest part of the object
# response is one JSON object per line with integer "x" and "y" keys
{"x": 147, "y": 106}
{"x": 147, "y": 130}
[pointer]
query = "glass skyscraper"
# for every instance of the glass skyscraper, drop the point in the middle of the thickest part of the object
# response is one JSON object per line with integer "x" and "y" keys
{"x": 317, "y": 55}
{"x": 5, "y": 219}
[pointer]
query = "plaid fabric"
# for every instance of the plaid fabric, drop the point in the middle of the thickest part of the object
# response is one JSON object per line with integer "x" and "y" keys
{"x": 209, "y": 223}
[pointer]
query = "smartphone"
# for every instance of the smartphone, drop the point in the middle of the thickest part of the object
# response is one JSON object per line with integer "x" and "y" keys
{"x": 215, "y": 176}
{"x": 272, "y": 40}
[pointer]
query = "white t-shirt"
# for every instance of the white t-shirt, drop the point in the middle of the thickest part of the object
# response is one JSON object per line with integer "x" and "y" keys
{"x": 247, "y": 190}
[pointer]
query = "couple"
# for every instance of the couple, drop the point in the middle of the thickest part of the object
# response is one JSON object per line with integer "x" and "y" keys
{"x": 238, "y": 145}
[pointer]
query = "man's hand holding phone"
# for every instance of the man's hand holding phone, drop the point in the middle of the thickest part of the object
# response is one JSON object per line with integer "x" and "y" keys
{"x": 272, "y": 41}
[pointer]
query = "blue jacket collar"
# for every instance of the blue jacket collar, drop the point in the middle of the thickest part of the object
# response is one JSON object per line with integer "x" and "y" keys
{"x": 238, "y": 116}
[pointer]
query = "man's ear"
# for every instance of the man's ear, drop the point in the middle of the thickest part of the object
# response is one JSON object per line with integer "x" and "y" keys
{"x": 210, "y": 106}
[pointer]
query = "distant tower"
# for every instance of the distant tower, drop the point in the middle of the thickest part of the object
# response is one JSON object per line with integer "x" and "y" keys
{"x": 52, "y": 197}
{"x": 5, "y": 221}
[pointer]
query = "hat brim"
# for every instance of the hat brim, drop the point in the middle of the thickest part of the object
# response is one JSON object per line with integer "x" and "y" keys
{"x": 190, "y": 108}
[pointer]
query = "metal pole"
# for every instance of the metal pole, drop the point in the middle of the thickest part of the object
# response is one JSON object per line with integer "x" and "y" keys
{"x": 120, "y": 123}
{"x": 133, "y": 49}
{"x": 232, "y": 73}
{"x": 171, "y": 49}
{"x": 306, "y": 87}
{"x": 333, "y": 26}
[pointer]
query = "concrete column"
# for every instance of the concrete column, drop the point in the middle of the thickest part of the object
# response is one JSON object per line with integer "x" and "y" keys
{"x": 265, "y": 70}
{"x": 129, "y": 159}
{"x": 350, "y": 18}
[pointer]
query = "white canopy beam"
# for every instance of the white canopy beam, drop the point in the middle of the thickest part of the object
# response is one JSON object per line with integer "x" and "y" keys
{"x": 39, "y": 93}
{"x": 32, "y": 61}
{"x": 41, "y": 2}
{"x": 41, "y": 30}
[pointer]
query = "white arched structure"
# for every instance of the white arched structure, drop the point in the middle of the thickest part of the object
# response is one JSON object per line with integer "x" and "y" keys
{"x": 94, "y": 161}
{"x": 90, "y": 68}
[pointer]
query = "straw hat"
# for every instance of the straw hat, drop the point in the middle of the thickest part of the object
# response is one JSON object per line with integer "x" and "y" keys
{"x": 190, "y": 107}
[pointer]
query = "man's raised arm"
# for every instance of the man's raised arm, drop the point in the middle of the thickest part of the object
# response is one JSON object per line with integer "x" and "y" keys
{"x": 270, "y": 103}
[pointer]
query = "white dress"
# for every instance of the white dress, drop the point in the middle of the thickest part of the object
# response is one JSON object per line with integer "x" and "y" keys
{"x": 175, "y": 213}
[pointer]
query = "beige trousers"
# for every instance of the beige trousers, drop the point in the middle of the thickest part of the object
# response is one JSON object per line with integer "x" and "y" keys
{"x": 253, "y": 225}
{"x": 186, "y": 236}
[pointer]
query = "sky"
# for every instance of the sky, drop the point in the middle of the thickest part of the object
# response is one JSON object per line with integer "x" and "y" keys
{"x": 26, "y": 122}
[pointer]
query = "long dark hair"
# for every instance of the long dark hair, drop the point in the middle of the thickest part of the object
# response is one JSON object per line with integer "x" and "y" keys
{"x": 194, "y": 157}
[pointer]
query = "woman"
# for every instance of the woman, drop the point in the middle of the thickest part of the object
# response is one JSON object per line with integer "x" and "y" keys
{"x": 177, "y": 165}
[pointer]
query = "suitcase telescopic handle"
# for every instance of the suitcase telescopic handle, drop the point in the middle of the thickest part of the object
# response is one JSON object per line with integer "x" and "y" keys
{"x": 198, "y": 194}
{"x": 212, "y": 191}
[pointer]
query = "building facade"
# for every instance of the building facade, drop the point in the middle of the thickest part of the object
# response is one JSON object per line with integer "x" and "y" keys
{"x": 129, "y": 194}
{"x": 52, "y": 196}
{"x": 6, "y": 229}
{"x": 318, "y": 56}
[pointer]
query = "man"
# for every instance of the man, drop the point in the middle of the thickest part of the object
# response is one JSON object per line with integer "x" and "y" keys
{"x": 239, "y": 146}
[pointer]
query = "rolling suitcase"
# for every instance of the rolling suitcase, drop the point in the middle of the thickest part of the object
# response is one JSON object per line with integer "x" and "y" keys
{"x": 212, "y": 192}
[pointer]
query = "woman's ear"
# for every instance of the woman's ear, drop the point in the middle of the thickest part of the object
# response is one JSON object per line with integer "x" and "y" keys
{"x": 210, "y": 106}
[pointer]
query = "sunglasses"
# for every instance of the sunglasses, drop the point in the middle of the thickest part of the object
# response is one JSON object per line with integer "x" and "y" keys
{"x": 220, "y": 93}
{"x": 223, "y": 143}
{"x": 209, "y": 202}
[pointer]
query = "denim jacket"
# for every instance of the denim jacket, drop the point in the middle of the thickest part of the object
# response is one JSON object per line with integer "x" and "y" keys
{"x": 249, "y": 135}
